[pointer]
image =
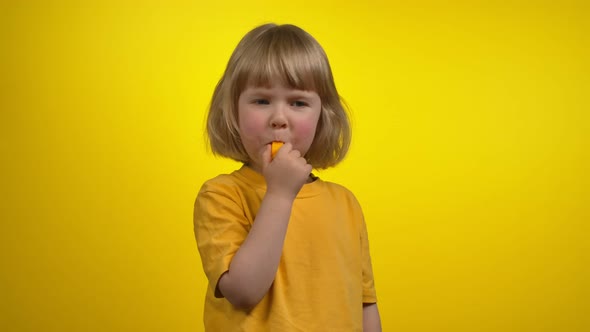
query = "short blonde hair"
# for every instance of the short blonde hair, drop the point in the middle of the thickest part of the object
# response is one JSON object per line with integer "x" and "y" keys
{"x": 291, "y": 55}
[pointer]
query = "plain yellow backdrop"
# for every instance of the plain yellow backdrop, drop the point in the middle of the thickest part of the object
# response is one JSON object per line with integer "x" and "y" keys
{"x": 470, "y": 156}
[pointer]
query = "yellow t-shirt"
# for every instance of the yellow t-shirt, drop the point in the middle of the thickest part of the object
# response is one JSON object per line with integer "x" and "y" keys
{"x": 324, "y": 275}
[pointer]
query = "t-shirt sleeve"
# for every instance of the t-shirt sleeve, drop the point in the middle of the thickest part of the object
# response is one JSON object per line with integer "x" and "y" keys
{"x": 220, "y": 229}
{"x": 369, "y": 294}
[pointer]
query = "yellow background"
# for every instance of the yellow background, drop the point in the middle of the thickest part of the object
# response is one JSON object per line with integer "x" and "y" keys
{"x": 470, "y": 157}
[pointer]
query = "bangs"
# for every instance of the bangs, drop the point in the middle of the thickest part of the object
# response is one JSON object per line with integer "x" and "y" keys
{"x": 288, "y": 69}
{"x": 285, "y": 56}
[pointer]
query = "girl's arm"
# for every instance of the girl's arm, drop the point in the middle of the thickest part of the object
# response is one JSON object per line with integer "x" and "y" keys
{"x": 371, "y": 319}
{"x": 254, "y": 266}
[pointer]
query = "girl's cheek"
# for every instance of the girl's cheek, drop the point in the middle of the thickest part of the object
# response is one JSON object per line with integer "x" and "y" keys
{"x": 250, "y": 129}
{"x": 307, "y": 130}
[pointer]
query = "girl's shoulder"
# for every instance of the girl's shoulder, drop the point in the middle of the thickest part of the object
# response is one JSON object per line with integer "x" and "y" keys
{"x": 235, "y": 182}
{"x": 339, "y": 190}
{"x": 220, "y": 180}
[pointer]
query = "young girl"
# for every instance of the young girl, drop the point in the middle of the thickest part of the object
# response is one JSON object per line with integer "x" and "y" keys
{"x": 282, "y": 249}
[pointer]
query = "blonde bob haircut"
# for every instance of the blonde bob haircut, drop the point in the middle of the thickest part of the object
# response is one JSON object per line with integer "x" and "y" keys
{"x": 293, "y": 57}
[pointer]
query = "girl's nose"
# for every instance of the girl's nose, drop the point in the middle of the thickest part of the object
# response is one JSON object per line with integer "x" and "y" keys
{"x": 278, "y": 120}
{"x": 278, "y": 124}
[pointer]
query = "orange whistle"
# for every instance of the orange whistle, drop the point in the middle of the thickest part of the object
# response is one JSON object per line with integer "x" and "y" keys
{"x": 274, "y": 147}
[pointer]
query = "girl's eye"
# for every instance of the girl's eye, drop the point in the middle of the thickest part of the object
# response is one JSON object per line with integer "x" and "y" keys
{"x": 261, "y": 102}
{"x": 299, "y": 103}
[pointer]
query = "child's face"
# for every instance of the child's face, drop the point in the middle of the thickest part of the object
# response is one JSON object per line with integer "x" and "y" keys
{"x": 277, "y": 113}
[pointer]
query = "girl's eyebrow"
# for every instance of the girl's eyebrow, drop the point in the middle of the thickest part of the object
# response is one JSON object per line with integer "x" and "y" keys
{"x": 301, "y": 94}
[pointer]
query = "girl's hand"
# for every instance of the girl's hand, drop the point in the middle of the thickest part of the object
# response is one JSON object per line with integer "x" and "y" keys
{"x": 286, "y": 173}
